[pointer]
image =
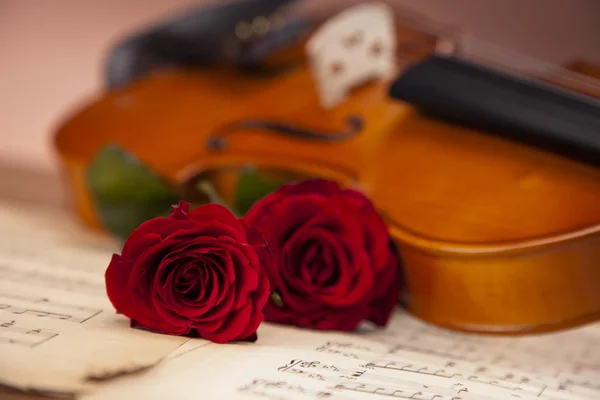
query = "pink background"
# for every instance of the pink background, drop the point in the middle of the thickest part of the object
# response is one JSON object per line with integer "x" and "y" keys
{"x": 51, "y": 51}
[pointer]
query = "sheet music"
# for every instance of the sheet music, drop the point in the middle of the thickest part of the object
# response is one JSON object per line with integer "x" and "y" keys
{"x": 58, "y": 331}
{"x": 408, "y": 360}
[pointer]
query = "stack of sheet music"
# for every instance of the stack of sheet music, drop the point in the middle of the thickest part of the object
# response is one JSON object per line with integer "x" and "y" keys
{"x": 60, "y": 335}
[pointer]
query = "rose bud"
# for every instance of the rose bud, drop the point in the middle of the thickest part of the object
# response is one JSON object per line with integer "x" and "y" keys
{"x": 335, "y": 266}
{"x": 196, "y": 273}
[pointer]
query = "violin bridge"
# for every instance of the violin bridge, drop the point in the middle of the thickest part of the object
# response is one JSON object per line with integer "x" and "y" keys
{"x": 355, "y": 46}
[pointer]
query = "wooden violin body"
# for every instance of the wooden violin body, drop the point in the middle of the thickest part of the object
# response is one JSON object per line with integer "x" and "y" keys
{"x": 495, "y": 236}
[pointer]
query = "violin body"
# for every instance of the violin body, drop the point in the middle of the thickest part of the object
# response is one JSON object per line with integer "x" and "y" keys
{"x": 173, "y": 141}
{"x": 495, "y": 236}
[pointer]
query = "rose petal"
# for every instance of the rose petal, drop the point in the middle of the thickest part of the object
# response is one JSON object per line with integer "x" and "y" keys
{"x": 180, "y": 210}
{"x": 190, "y": 281}
{"x": 253, "y": 236}
{"x": 217, "y": 212}
{"x": 146, "y": 315}
{"x": 280, "y": 220}
{"x": 322, "y": 187}
{"x": 117, "y": 278}
{"x": 340, "y": 319}
{"x": 259, "y": 298}
{"x": 324, "y": 268}
{"x": 142, "y": 294}
{"x": 331, "y": 256}
{"x": 244, "y": 260}
{"x": 252, "y": 338}
{"x": 211, "y": 289}
{"x": 375, "y": 227}
{"x": 214, "y": 229}
{"x": 158, "y": 326}
{"x": 216, "y": 306}
{"x": 247, "y": 281}
{"x": 233, "y": 326}
{"x": 219, "y": 282}
{"x": 354, "y": 280}
{"x": 136, "y": 243}
{"x": 387, "y": 293}
{"x": 307, "y": 258}
{"x": 202, "y": 269}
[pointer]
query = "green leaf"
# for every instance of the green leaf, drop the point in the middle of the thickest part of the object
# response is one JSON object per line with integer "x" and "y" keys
{"x": 251, "y": 187}
{"x": 276, "y": 298}
{"x": 125, "y": 192}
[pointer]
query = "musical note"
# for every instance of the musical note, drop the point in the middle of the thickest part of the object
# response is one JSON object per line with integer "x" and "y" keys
{"x": 45, "y": 307}
{"x": 556, "y": 384}
{"x": 58, "y": 331}
{"x": 343, "y": 349}
{"x": 280, "y": 389}
{"x": 11, "y": 273}
{"x": 14, "y": 334}
{"x": 411, "y": 377}
{"x": 415, "y": 354}
{"x": 297, "y": 364}
{"x": 404, "y": 393}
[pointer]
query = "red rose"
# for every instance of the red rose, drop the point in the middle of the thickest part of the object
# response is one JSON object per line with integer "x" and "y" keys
{"x": 195, "y": 272}
{"x": 334, "y": 266}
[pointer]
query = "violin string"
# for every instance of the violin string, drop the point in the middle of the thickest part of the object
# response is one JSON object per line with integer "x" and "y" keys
{"x": 477, "y": 49}
{"x": 492, "y": 53}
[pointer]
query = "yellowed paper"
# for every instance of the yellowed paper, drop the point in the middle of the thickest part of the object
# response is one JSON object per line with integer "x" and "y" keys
{"x": 409, "y": 360}
{"x": 58, "y": 331}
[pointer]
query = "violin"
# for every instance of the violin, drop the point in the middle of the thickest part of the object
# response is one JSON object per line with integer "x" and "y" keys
{"x": 497, "y": 227}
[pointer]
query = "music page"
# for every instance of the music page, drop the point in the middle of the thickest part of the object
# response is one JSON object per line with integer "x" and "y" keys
{"x": 58, "y": 331}
{"x": 407, "y": 360}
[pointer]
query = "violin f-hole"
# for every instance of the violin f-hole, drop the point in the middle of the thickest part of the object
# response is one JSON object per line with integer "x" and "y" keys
{"x": 218, "y": 140}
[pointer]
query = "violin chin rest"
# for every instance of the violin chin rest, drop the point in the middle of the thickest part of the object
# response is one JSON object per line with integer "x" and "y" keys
{"x": 199, "y": 36}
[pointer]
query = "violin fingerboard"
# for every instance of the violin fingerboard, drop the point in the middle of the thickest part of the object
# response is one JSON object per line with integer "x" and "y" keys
{"x": 355, "y": 46}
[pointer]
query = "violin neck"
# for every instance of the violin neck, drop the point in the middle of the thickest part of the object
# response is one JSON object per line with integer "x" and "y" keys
{"x": 485, "y": 53}
{"x": 517, "y": 98}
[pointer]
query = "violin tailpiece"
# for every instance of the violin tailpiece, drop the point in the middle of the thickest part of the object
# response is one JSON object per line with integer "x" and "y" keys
{"x": 355, "y": 46}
